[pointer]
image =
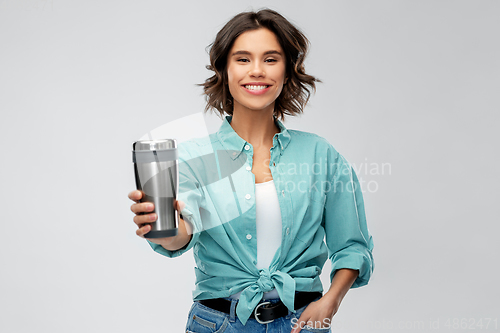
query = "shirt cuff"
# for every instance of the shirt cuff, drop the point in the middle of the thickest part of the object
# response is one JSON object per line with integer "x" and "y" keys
{"x": 353, "y": 257}
{"x": 172, "y": 254}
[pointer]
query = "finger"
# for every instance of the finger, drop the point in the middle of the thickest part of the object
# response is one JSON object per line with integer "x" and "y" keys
{"x": 296, "y": 327}
{"x": 143, "y": 230}
{"x": 299, "y": 325}
{"x": 179, "y": 205}
{"x": 142, "y": 207}
{"x": 135, "y": 195}
{"x": 147, "y": 218}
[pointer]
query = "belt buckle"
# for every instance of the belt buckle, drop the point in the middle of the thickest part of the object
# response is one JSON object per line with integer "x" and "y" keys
{"x": 257, "y": 317}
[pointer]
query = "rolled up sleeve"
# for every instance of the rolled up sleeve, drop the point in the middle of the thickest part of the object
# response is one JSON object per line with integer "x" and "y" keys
{"x": 191, "y": 193}
{"x": 348, "y": 240}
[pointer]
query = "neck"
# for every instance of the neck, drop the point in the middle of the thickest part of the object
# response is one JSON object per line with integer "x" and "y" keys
{"x": 255, "y": 126}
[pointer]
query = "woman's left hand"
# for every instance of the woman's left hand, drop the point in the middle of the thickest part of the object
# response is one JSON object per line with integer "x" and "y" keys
{"x": 318, "y": 314}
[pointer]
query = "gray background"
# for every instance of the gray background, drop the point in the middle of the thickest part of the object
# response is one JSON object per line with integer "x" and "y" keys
{"x": 413, "y": 84}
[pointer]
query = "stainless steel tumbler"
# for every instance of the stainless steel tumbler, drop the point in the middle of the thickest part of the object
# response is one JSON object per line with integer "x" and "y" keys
{"x": 157, "y": 176}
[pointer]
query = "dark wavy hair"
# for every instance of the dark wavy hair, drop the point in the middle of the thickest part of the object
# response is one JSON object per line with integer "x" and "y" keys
{"x": 296, "y": 91}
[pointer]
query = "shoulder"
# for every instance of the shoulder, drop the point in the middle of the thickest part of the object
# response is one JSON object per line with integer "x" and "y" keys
{"x": 312, "y": 140}
{"x": 197, "y": 147}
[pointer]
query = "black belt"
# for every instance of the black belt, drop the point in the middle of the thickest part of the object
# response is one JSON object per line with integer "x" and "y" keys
{"x": 265, "y": 312}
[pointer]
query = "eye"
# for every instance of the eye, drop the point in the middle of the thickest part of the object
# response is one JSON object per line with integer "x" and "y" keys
{"x": 271, "y": 60}
{"x": 242, "y": 60}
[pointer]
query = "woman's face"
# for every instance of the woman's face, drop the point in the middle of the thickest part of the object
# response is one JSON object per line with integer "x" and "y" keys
{"x": 256, "y": 70}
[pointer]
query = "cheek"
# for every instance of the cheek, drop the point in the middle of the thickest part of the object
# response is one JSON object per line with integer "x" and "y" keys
{"x": 279, "y": 74}
{"x": 283, "y": 73}
{"x": 232, "y": 75}
{"x": 231, "y": 81}
{"x": 279, "y": 91}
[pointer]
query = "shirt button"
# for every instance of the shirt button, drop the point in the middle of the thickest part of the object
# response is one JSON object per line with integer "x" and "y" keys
{"x": 274, "y": 163}
{"x": 234, "y": 154}
{"x": 248, "y": 196}
{"x": 249, "y": 168}
{"x": 283, "y": 192}
{"x": 281, "y": 147}
{"x": 287, "y": 231}
{"x": 249, "y": 236}
{"x": 247, "y": 147}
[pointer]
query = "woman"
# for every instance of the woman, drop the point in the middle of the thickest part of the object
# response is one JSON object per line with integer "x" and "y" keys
{"x": 265, "y": 211}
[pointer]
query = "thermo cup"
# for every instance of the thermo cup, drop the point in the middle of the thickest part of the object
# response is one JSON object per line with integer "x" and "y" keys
{"x": 157, "y": 176}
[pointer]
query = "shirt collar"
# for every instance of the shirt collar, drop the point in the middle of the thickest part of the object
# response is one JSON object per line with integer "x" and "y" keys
{"x": 233, "y": 142}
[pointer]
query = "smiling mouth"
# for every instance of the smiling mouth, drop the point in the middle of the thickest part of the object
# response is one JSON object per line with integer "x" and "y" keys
{"x": 259, "y": 87}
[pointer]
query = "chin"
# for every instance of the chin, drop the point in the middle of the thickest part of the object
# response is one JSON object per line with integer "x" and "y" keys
{"x": 257, "y": 107}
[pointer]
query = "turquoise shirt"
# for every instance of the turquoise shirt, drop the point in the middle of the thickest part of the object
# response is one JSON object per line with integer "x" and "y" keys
{"x": 322, "y": 213}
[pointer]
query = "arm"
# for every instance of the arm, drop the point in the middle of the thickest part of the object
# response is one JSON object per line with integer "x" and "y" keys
{"x": 341, "y": 283}
{"x": 349, "y": 242}
{"x": 349, "y": 245}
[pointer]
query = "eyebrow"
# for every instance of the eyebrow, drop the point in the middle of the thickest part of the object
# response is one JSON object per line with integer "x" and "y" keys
{"x": 248, "y": 53}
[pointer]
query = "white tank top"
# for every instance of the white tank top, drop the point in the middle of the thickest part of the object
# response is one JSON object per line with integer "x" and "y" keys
{"x": 269, "y": 227}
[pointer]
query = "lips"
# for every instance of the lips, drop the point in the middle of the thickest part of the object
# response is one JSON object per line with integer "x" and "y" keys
{"x": 255, "y": 88}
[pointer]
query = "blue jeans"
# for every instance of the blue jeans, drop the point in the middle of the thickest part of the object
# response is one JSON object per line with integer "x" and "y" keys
{"x": 202, "y": 319}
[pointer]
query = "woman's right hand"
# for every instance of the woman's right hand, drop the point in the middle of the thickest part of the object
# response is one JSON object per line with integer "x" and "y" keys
{"x": 144, "y": 215}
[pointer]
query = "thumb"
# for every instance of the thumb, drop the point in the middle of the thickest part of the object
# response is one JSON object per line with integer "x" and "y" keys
{"x": 299, "y": 325}
{"x": 179, "y": 205}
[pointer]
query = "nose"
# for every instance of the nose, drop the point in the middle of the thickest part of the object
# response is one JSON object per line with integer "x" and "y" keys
{"x": 256, "y": 70}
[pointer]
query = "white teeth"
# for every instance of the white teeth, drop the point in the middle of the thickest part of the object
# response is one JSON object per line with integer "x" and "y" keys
{"x": 255, "y": 87}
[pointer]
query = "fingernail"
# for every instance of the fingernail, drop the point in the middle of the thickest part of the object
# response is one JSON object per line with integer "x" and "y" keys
{"x": 152, "y": 217}
{"x": 149, "y": 206}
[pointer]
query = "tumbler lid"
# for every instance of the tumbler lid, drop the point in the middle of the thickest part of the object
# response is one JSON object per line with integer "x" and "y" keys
{"x": 154, "y": 144}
